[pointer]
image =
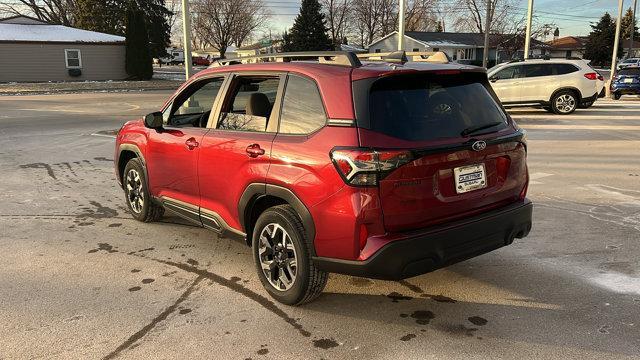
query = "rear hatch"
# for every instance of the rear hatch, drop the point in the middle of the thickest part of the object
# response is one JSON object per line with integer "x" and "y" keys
{"x": 445, "y": 147}
{"x": 628, "y": 76}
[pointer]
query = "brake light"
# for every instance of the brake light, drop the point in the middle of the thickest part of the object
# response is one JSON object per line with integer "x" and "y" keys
{"x": 591, "y": 76}
{"x": 365, "y": 167}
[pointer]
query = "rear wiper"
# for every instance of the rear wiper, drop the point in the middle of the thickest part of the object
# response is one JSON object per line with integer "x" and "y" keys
{"x": 473, "y": 129}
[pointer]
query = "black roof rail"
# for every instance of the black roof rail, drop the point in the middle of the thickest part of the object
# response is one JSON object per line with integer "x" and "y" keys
{"x": 342, "y": 58}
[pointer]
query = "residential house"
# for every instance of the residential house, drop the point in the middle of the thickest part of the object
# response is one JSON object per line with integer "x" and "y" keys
{"x": 33, "y": 51}
{"x": 568, "y": 46}
{"x": 462, "y": 47}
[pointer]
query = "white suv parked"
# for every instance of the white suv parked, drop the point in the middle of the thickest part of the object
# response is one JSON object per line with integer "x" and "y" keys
{"x": 559, "y": 85}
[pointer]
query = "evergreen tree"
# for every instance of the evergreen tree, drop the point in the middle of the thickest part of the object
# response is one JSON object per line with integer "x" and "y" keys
{"x": 286, "y": 42}
{"x": 439, "y": 27}
{"x": 139, "y": 64}
{"x": 109, "y": 16}
{"x": 599, "y": 45}
{"x": 309, "y": 31}
{"x": 626, "y": 25}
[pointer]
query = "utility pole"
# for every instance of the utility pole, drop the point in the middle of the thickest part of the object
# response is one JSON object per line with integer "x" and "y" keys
{"x": 633, "y": 28}
{"x": 186, "y": 38}
{"x": 487, "y": 29}
{"x": 616, "y": 42}
{"x": 401, "y": 26}
{"x": 527, "y": 39}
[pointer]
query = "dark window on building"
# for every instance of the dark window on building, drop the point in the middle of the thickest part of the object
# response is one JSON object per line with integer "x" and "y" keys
{"x": 416, "y": 49}
{"x": 302, "y": 110}
{"x": 377, "y": 50}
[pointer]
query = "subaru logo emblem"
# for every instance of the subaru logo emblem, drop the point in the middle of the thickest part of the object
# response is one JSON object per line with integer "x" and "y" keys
{"x": 479, "y": 145}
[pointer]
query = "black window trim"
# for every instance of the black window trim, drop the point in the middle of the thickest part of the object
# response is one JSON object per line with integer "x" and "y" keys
{"x": 274, "y": 118}
{"x": 324, "y": 108}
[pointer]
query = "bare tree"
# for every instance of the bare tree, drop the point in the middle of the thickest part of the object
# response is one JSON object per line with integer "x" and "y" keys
{"x": 472, "y": 15}
{"x": 421, "y": 15}
{"x": 221, "y": 23}
{"x": 52, "y": 11}
{"x": 338, "y": 15}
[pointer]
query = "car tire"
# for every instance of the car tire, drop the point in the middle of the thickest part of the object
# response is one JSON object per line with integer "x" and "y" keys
{"x": 564, "y": 102}
{"x": 137, "y": 194}
{"x": 279, "y": 240}
{"x": 617, "y": 96}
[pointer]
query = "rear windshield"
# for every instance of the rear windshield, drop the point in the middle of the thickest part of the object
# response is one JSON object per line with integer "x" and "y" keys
{"x": 629, "y": 72}
{"x": 429, "y": 107}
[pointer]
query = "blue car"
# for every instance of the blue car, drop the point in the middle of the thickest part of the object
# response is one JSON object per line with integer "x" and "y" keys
{"x": 626, "y": 82}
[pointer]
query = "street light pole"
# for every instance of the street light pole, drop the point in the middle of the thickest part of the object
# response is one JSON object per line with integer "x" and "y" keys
{"x": 616, "y": 43}
{"x": 527, "y": 39}
{"x": 401, "y": 26}
{"x": 633, "y": 28}
{"x": 186, "y": 38}
{"x": 487, "y": 28}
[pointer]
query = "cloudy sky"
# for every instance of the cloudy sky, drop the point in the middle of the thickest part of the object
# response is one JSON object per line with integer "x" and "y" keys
{"x": 571, "y": 16}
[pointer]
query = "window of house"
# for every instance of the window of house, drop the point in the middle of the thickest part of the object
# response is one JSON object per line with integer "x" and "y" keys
{"x": 416, "y": 49}
{"x": 249, "y": 104}
{"x": 377, "y": 50}
{"x": 436, "y": 49}
{"x": 73, "y": 58}
{"x": 466, "y": 54}
{"x": 193, "y": 106}
{"x": 302, "y": 110}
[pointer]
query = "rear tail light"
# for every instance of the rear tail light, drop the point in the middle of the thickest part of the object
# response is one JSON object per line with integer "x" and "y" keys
{"x": 591, "y": 76}
{"x": 365, "y": 167}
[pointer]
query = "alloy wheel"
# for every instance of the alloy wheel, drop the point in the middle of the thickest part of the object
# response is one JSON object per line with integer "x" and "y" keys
{"x": 565, "y": 103}
{"x": 135, "y": 193}
{"x": 277, "y": 256}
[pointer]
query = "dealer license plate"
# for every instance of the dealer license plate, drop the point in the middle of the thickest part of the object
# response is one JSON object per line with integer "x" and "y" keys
{"x": 469, "y": 178}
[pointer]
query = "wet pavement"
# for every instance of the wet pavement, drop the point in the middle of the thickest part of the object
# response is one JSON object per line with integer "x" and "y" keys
{"x": 79, "y": 278}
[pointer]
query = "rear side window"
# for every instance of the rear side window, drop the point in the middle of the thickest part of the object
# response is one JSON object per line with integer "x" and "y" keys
{"x": 629, "y": 72}
{"x": 429, "y": 107}
{"x": 537, "y": 70}
{"x": 563, "y": 69}
{"x": 302, "y": 111}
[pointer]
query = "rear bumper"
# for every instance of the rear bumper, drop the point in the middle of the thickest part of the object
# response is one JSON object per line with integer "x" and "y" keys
{"x": 626, "y": 89}
{"x": 439, "y": 246}
{"x": 589, "y": 99}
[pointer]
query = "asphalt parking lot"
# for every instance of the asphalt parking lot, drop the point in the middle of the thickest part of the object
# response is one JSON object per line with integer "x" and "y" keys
{"x": 79, "y": 278}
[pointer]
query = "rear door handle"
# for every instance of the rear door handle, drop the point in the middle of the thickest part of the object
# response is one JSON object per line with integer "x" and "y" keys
{"x": 254, "y": 150}
{"x": 191, "y": 143}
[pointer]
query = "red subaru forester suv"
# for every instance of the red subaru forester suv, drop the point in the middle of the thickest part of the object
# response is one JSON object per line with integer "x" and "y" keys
{"x": 383, "y": 169}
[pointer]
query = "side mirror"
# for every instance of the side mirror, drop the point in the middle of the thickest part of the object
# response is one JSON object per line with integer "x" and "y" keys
{"x": 153, "y": 120}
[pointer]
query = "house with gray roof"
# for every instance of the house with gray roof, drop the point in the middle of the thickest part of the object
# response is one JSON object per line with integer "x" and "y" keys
{"x": 34, "y": 51}
{"x": 462, "y": 47}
